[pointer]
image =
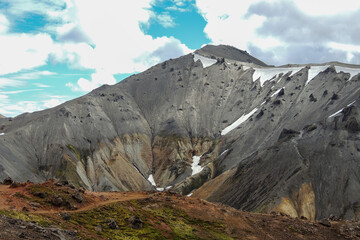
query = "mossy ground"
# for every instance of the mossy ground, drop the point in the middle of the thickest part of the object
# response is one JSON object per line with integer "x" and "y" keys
{"x": 41, "y": 220}
{"x": 160, "y": 222}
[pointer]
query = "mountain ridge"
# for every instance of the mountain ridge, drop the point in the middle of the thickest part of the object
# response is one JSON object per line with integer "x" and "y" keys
{"x": 156, "y": 122}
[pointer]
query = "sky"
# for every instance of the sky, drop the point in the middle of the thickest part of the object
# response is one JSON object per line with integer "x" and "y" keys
{"x": 52, "y": 51}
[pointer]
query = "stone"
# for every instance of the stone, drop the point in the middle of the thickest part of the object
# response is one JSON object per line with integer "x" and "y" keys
{"x": 78, "y": 197}
{"x": 135, "y": 222}
{"x": 8, "y": 181}
{"x": 65, "y": 216}
{"x": 112, "y": 224}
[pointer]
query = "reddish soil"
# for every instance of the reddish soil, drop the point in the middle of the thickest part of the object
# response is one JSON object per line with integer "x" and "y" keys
{"x": 238, "y": 224}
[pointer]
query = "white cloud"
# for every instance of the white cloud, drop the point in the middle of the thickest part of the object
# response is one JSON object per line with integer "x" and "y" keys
{"x": 33, "y": 75}
{"x": 4, "y": 24}
{"x": 321, "y": 7}
{"x": 97, "y": 79}
{"x": 7, "y": 82}
{"x": 278, "y": 30}
{"x": 165, "y": 20}
{"x": 53, "y": 102}
{"x": 23, "y": 51}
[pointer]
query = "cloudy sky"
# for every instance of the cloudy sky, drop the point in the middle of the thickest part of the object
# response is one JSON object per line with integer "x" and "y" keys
{"x": 52, "y": 51}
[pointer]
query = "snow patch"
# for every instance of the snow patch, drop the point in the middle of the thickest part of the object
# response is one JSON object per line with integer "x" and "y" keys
{"x": 206, "y": 62}
{"x": 266, "y": 74}
{"x": 245, "y": 68}
{"x": 263, "y": 103}
{"x": 314, "y": 71}
{"x": 195, "y": 166}
{"x": 338, "y": 112}
{"x": 224, "y": 152}
{"x": 351, "y": 103}
{"x": 159, "y": 189}
{"x": 352, "y": 71}
{"x": 333, "y": 115}
{"x": 151, "y": 180}
{"x": 2, "y": 134}
{"x": 276, "y": 92}
{"x": 190, "y": 194}
{"x": 235, "y": 124}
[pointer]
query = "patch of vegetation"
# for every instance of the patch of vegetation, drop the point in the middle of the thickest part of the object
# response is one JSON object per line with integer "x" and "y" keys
{"x": 53, "y": 196}
{"x": 42, "y": 221}
{"x": 161, "y": 222}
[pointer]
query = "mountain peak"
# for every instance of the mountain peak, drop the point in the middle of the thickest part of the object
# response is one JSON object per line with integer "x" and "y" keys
{"x": 2, "y": 116}
{"x": 228, "y": 52}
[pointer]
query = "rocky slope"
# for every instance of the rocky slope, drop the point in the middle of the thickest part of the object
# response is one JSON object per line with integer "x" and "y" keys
{"x": 2, "y": 116}
{"x": 268, "y": 137}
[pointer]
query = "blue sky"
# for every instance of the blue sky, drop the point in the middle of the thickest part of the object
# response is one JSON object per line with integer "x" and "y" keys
{"x": 55, "y": 50}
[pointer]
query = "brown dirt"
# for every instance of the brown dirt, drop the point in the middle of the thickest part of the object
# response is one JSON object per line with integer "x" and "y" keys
{"x": 238, "y": 224}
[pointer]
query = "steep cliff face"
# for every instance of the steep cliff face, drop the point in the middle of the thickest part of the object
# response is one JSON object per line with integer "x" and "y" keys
{"x": 218, "y": 121}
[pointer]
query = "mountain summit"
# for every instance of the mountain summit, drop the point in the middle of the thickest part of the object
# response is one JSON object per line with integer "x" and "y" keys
{"x": 217, "y": 123}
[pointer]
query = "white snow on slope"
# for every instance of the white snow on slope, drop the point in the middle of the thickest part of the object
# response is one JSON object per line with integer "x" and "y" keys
{"x": 265, "y": 74}
{"x": 334, "y": 114}
{"x": 190, "y": 194}
{"x": 2, "y": 134}
{"x": 224, "y": 152}
{"x": 352, "y": 71}
{"x": 151, "y": 180}
{"x": 206, "y": 62}
{"x": 277, "y": 91}
{"x": 314, "y": 71}
{"x": 235, "y": 124}
{"x": 245, "y": 68}
{"x": 195, "y": 166}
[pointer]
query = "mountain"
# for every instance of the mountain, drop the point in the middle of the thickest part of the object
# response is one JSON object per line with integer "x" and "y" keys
{"x": 219, "y": 121}
{"x": 2, "y": 116}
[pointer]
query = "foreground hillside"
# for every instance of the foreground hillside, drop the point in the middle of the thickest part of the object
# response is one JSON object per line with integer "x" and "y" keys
{"x": 218, "y": 123}
{"x": 58, "y": 210}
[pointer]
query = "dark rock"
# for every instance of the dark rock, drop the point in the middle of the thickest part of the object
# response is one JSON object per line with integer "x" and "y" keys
{"x": 260, "y": 114}
{"x": 334, "y": 97}
{"x": 135, "y": 222}
{"x": 25, "y": 209}
{"x": 352, "y": 125}
{"x": 325, "y": 222}
{"x": 312, "y": 98}
{"x": 277, "y": 102}
{"x": 310, "y": 128}
{"x": 40, "y": 194}
{"x": 78, "y": 197}
{"x": 22, "y": 235}
{"x": 8, "y": 181}
{"x": 72, "y": 186}
{"x": 281, "y": 93}
{"x": 57, "y": 201}
{"x": 287, "y": 134}
{"x": 112, "y": 224}
{"x": 65, "y": 216}
{"x": 325, "y": 93}
{"x": 303, "y": 218}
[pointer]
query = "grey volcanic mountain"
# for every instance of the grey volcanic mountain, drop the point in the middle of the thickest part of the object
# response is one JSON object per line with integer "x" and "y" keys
{"x": 218, "y": 124}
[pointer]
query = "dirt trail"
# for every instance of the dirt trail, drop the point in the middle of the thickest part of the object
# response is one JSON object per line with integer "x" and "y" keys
{"x": 8, "y": 200}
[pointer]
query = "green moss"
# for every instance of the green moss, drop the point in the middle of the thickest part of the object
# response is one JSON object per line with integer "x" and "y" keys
{"x": 161, "y": 223}
{"x": 42, "y": 221}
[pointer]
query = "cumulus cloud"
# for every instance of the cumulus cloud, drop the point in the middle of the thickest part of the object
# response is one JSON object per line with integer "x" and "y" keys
{"x": 23, "y": 51}
{"x": 280, "y": 32}
{"x": 165, "y": 20}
